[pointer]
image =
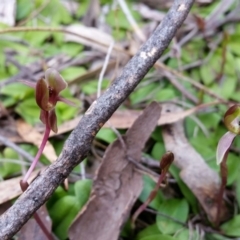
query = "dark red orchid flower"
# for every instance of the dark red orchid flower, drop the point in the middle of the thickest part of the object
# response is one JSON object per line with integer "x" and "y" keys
{"x": 47, "y": 96}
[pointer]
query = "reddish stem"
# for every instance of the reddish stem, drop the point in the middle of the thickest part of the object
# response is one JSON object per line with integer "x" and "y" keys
{"x": 224, "y": 173}
{"x": 165, "y": 163}
{"x": 39, "y": 153}
{"x": 43, "y": 227}
{"x": 24, "y": 184}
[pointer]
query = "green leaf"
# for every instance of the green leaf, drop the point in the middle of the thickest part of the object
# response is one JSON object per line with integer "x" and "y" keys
{"x": 29, "y": 111}
{"x": 106, "y": 135}
{"x": 158, "y": 150}
{"x": 232, "y": 227}
{"x": 184, "y": 188}
{"x": 91, "y": 87}
{"x": 166, "y": 94}
{"x": 237, "y": 188}
{"x": 176, "y": 209}
{"x": 8, "y": 168}
{"x": 71, "y": 49}
{"x": 141, "y": 93}
{"x": 58, "y": 194}
{"x": 214, "y": 236}
{"x": 158, "y": 237}
{"x": 18, "y": 91}
{"x": 233, "y": 44}
{"x": 157, "y": 135}
{"x": 148, "y": 231}
{"x": 62, "y": 213}
{"x": 233, "y": 165}
{"x": 186, "y": 234}
{"x": 72, "y": 72}
{"x": 118, "y": 19}
{"x": 24, "y": 7}
{"x": 82, "y": 190}
{"x": 148, "y": 186}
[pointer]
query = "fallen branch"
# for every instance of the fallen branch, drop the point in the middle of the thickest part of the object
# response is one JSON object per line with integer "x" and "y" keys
{"x": 79, "y": 142}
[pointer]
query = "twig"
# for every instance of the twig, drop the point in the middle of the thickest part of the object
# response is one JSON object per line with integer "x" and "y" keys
{"x": 79, "y": 142}
{"x": 166, "y": 216}
{"x": 15, "y": 147}
{"x": 131, "y": 20}
{"x": 104, "y": 68}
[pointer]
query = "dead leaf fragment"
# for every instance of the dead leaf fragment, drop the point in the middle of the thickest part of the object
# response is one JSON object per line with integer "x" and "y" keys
{"x": 10, "y": 188}
{"x": 117, "y": 184}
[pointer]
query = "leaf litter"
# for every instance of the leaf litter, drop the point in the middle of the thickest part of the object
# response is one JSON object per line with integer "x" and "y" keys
{"x": 191, "y": 71}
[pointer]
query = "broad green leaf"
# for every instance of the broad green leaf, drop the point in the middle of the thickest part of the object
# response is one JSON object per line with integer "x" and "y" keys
{"x": 18, "y": 91}
{"x": 166, "y": 94}
{"x": 62, "y": 213}
{"x": 142, "y": 93}
{"x": 58, "y": 194}
{"x": 158, "y": 150}
{"x": 186, "y": 234}
{"x": 233, "y": 165}
{"x": 157, "y": 135}
{"x": 7, "y": 168}
{"x": 118, "y": 19}
{"x": 211, "y": 70}
{"x": 213, "y": 236}
{"x": 36, "y": 38}
{"x": 158, "y": 237}
{"x": 57, "y": 13}
{"x": 71, "y": 49}
{"x": 72, "y": 72}
{"x": 232, "y": 227}
{"x": 91, "y": 86}
{"x": 233, "y": 44}
{"x": 29, "y": 111}
{"x": 237, "y": 189}
{"x": 176, "y": 209}
{"x": 192, "y": 51}
{"x": 82, "y": 190}
{"x": 148, "y": 186}
{"x": 148, "y": 231}
{"x": 227, "y": 88}
{"x": 184, "y": 188}
{"x": 106, "y": 135}
{"x": 23, "y": 9}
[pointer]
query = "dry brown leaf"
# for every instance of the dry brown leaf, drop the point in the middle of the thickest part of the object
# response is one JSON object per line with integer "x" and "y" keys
{"x": 31, "y": 135}
{"x": 31, "y": 229}
{"x": 117, "y": 184}
{"x": 10, "y": 188}
{"x": 91, "y": 37}
{"x": 195, "y": 173}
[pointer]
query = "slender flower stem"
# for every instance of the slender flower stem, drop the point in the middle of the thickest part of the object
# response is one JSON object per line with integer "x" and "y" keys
{"x": 43, "y": 227}
{"x": 39, "y": 153}
{"x": 24, "y": 184}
